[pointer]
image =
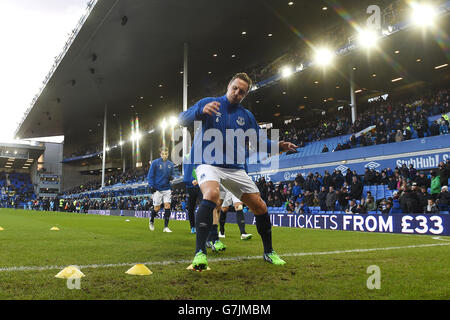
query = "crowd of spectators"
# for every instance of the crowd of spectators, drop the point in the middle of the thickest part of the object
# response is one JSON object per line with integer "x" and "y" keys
{"x": 129, "y": 176}
{"x": 391, "y": 121}
{"x": 15, "y": 189}
{"x": 106, "y": 202}
{"x": 413, "y": 191}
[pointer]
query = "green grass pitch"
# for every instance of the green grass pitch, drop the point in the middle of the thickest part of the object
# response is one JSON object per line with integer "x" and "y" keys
{"x": 321, "y": 264}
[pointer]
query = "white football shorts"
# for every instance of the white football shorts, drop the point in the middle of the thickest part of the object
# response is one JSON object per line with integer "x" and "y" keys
{"x": 160, "y": 197}
{"x": 236, "y": 181}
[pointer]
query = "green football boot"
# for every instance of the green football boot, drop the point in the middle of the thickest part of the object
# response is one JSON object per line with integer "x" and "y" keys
{"x": 200, "y": 261}
{"x": 273, "y": 258}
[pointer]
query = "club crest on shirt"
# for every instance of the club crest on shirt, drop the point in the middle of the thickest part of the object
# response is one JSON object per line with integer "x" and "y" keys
{"x": 218, "y": 115}
{"x": 240, "y": 121}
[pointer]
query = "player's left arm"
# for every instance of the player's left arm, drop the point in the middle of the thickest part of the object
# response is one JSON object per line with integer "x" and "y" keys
{"x": 171, "y": 171}
{"x": 282, "y": 145}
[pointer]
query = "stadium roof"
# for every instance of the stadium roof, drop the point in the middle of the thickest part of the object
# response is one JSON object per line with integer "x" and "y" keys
{"x": 19, "y": 156}
{"x": 129, "y": 55}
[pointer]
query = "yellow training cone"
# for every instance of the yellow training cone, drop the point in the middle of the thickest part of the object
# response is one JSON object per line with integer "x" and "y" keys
{"x": 70, "y": 272}
{"x": 139, "y": 270}
{"x": 55, "y": 229}
{"x": 191, "y": 267}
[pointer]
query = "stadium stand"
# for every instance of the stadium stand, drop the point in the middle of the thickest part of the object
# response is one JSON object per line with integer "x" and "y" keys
{"x": 402, "y": 190}
{"x": 16, "y": 189}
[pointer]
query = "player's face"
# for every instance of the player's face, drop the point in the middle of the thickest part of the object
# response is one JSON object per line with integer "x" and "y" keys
{"x": 164, "y": 155}
{"x": 237, "y": 90}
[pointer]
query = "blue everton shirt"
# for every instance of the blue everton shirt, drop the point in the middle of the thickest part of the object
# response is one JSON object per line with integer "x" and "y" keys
{"x": 158, "y": 175}
{"x": 230, "y": 116}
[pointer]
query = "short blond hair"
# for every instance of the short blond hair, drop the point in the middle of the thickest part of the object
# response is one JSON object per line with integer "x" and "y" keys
{"x": 244, "y": 77}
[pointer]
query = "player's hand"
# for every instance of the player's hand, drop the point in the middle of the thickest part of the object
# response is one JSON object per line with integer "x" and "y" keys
{"x": 194, "y": 182}
{"x": 287, "y": 146}
{"x": 211, "y": 108}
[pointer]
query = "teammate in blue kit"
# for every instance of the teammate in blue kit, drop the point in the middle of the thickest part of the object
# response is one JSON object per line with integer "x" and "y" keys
{"x": 159, "y": 177}
{"x": 222, "y": 114}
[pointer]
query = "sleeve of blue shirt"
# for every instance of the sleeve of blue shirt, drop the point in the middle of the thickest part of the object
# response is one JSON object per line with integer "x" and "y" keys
{"x": 172, "y": 171}
{"x": 254, "y": 125}
{"x": 151, "y": 174}
{"x": 186, "y": 118}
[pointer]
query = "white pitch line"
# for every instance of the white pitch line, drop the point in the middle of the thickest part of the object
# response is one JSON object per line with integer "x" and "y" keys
{"x": 439, "y": 238}
{"x": 298, "y": 254}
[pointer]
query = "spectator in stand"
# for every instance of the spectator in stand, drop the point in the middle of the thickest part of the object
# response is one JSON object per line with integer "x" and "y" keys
{"x": 385, "y": 207}
{"x": 290, "y": 207}
{"x": 356, "y": 188}
{"x": 423, "y": 197}
{"x": 338, "y": 179}
{"x": 331, "y": 199}
{"x": 325, "y": 149}
{"x": 368, "y": 177}
{"x": 431, "y": 207}
{"x": 327, "y": 180}
{"x": 352, "y": 207}
{"x": 296, "y": 190}
{"x": 443, "y": 173}
{"x": 360, "y": 208}
{"x": 392, "y": 184}
{"x": 343, "y": 198}
{"x": 399, "y": 136}
{"x": 409, "y": 201}
{"x": 277, "y": 202}
{"x": 369, "y": 203}
{"x": 443, "y": 199}
{"x": 309, "y": 198}
{"x": 412, "y": 172}
{"x": 304, "y": 209}
{"x": 315, "y": 184}
{"x": 435, "y": 184}
{"x": 435, "y": 128}
{"x": 300, "y": 180}
{"x": 443, "y": 126}
{"x": 422, "y": 180}
{"x": 349, "y": 176}
{"x": 323, "y": 198}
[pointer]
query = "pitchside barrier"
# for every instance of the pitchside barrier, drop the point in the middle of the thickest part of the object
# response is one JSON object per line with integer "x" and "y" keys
{"x": 430, "y": 224}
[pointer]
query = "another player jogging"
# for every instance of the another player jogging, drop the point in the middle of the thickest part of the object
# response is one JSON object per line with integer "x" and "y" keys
{"x": 223, "y": 114}
{"x": 230, "y": 199}
{"x": 159, "y": 177}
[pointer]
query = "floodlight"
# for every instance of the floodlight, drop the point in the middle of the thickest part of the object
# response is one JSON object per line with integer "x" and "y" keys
{"x": 163, "y": 124}
{"x": 173, "y": 121}
{"x": 286, "y": 71}
{"x": 324, "y": 56}
{"x": 367, "y": 38}
{"x": 423, "y": 14}
{"x": 136, "y": 136}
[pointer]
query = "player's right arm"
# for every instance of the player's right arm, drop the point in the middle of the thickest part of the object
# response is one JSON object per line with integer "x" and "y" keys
{"x": 198, "y": 111}
{"x": 151, "y": 175}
